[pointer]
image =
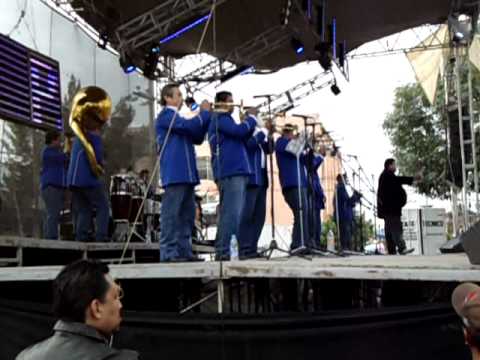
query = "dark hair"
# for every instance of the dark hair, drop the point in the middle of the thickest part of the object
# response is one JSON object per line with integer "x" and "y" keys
{"x": 388, "y": 162}
{"x": 222, "y": 96}
{"x": 51, "y": 136}
{"x": 167, "y": 91}
{"x": 76, "y": 286}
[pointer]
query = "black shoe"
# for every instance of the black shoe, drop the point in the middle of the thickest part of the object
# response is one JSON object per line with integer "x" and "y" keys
{"x": 406, "y": 251}
{"x": 195, "y": 259}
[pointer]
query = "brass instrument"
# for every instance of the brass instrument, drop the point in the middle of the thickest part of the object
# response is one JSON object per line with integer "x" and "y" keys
{"x": 91, "y": 109}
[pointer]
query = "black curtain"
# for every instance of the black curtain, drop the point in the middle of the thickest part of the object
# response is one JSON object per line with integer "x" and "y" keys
{"x": 415, "y": 332}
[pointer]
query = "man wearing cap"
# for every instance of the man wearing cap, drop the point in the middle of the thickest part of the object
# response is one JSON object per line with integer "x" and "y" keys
{"x": 466, "y": 302}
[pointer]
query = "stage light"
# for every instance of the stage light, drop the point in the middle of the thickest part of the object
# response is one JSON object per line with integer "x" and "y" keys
{"x": 185, "y": 29}
{"x": 126, "y": 64}
{"x": 342, "y": 53}
{"x": 335, "y": 89}
{"x": 460, "y": 28}
{"x": 297, "y": 45}
{"x": 151, "y": 62}
{"x": 190, "y": 102}
{"x": 324, "y": 56}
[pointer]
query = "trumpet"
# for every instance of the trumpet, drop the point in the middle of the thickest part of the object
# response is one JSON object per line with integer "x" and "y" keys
{"x": 226, "y": 106}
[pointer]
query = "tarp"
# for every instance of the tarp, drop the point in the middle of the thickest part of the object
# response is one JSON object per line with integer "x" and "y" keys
{"x": 428, "y": 65}
{"x": 419, "y": 332}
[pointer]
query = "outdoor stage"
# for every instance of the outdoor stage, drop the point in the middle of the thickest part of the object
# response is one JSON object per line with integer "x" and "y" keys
{"x": 48, "y": 255}
{"x": 337, "y": 306}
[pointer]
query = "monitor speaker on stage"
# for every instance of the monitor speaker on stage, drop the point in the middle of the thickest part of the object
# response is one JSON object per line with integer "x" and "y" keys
{"x": 471, "y": 243}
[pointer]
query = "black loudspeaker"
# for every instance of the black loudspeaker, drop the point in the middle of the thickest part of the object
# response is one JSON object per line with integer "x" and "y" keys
{"x": 454, "y": 165}
{"x": 471, "y": 243}
{"x": 452, "y": 246}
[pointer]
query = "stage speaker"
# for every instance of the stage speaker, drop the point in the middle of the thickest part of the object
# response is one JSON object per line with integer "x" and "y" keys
{"x": 454, "y": 165}
{"x": 471, "y": 243}
{"x": 452, "y": 246}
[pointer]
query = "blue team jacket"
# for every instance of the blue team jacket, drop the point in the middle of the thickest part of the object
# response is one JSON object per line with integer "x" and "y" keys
{"x": 228, "y": 139}
{"x": 178, "y": 164}
{"x": 288, "y": 167}
{"x": 256, "y": 144}
{"x": 346, "y": 203}
{"x": 317, "y": 185}
{"x": 79, "y": 172}
{"x": 54, "y": 171}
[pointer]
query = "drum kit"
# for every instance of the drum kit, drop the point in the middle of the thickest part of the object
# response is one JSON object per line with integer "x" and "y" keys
{"x": 126, "y": 195}
{"x": 127, "y": 192}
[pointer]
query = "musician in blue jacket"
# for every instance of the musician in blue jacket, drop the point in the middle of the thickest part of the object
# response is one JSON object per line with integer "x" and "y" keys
{"x": 318, "y": 201}
{"x": 254, "y": 211}
{"x": 53, "y": 181}
{"x": 291, "y": 167}
{"x": 178, "y": 172}
{"x": 344, "y": 204}
{"x": 88, "y": 189}
{"x": 231, "y": 168}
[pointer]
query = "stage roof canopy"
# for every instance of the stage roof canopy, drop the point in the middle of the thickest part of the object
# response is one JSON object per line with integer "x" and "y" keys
{"x": 239, "y": 21}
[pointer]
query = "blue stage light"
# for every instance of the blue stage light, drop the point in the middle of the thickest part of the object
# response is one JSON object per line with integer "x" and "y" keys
{"x": 184, "y": 29}
{"x": 297, "y": 45}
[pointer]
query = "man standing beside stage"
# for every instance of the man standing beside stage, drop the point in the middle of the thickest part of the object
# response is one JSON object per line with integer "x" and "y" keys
{"x": 231, "y": 167}
{"x": 293, "y": 179}
{"x": 391, "y": 198}
{"x": 254, "y": 211}
{"x": 178, "y": 172}
{"x": 53, "y": 181}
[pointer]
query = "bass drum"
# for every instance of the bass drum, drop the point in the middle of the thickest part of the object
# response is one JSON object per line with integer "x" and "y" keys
{"x": 120, "y": 197}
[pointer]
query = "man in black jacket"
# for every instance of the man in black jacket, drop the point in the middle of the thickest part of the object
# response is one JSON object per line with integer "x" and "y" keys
{"x": 87, "y": 304}
{"x": 391, "y": 198}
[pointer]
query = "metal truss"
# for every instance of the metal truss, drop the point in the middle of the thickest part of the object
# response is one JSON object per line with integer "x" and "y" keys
{"x": 288, "y": 99}
{"x": 153, "y": 24}
{"x": 400, "y": 43}
{"x": 245, "y": 54}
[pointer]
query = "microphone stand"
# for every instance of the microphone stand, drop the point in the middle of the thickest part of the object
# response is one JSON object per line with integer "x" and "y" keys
{"x": 273, "y": 243}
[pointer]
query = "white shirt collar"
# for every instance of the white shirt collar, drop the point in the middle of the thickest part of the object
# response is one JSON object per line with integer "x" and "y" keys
{"x": 171, "y": 108}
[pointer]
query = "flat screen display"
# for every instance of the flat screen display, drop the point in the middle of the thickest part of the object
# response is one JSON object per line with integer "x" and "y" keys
{"x": 30, "y": 91}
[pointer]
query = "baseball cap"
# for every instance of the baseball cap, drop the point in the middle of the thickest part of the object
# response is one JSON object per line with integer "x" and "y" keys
{"x": 466, "y": 302}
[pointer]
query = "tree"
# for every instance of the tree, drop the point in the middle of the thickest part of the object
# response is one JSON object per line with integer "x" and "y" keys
{"x": 72, "y": 88}
{"x": 119, "y": 153}
{"x": 417, "y": 132}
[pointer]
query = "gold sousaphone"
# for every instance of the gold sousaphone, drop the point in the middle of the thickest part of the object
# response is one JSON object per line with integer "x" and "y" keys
{"x": 91, "y": 109}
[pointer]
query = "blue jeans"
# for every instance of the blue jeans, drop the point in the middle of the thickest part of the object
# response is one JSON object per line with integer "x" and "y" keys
{"x": 292, "y": 198}
{"x": 346, "y": 234}
{"x": 53, "y": 197}
{"x": 84, "y": 200}
{"x": 253, "y": 219}
{"x": 233, "y": 192}
{"x": 177, "y": 221}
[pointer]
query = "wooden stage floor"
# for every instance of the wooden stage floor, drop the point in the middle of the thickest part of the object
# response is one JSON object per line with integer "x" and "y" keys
{"x": 444, "y": 268}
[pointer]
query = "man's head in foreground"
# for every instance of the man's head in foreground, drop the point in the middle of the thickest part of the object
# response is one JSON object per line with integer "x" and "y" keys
{"x": 84, "y": 292}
